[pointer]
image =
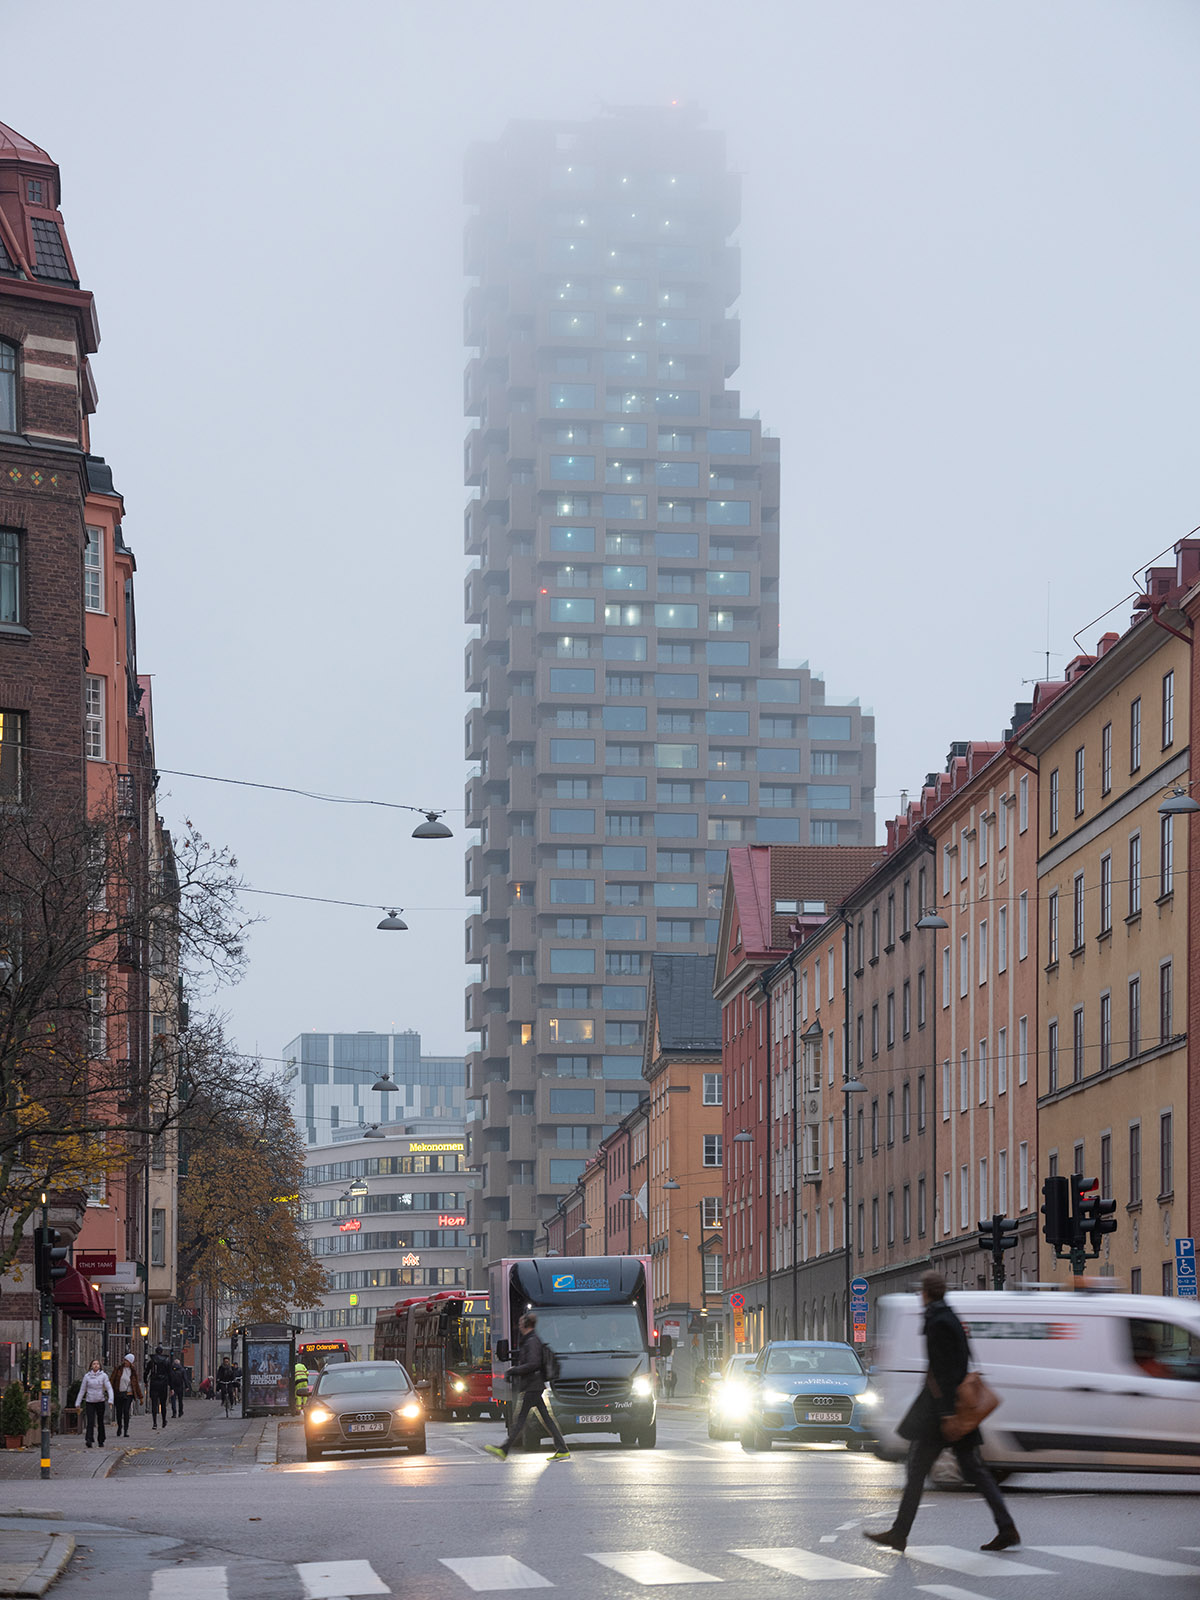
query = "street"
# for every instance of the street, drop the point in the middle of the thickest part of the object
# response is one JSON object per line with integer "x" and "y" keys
{"x": 609, "y": 1523}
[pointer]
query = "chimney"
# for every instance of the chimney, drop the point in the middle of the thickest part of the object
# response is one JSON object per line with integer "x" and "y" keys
{"x": 1105, "y": 643}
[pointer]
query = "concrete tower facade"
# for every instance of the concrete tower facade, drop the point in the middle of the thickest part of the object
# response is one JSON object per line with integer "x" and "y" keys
{"x": 631, "y": 718}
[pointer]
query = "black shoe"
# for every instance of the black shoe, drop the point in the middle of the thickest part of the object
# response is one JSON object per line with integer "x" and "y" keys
{"x": 1004, "y": 1540}
{"x": 888, "y": 1539}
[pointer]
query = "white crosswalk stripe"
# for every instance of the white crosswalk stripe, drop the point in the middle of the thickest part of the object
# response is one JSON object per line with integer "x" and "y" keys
{"x": 651, "y": 1566}
{"x": 1099, "y": 1555}
{"x": 485, "y": 1573}
{"x": 804, "y": 1563}
{"x": 189, "y": 1583}
{"x": 339, "y": 1580}
{"x": 973, "y": 1563}
{"x": 950, "y": 1591}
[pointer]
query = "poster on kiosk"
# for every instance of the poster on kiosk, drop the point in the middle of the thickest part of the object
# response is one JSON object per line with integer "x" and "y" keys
{"x": 268, "y": 1364}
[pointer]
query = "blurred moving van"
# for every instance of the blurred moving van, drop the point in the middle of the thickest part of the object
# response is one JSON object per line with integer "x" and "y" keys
{"x": 1087, "y": 1381}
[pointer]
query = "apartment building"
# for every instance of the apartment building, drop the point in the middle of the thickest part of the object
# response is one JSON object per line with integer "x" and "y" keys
{"x": 632, "y": 719}
{"x": 1111, "y": 743}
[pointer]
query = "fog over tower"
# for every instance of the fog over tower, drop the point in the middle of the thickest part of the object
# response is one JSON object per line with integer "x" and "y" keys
{"x": 631, "y": 716}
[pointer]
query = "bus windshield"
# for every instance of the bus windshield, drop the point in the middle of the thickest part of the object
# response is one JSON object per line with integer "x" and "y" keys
{"x": 469, "y": 1345}
{"x": 591, "y": 1330}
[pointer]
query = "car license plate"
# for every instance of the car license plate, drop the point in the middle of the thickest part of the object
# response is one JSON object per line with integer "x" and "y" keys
{"x": 595, "y": 1416}
{"x": 366, "y": 1427}
{"x": 822, "y": 1416}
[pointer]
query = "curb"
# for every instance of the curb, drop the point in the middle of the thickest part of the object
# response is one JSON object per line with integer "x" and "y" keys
{"x": 267, "y": 1453}
{"x": 107, "y": 1469}
{"x": 49, "y": 1568}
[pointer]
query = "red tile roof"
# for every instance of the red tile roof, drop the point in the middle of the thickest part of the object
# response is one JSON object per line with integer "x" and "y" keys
{"x": 762, "y": 874}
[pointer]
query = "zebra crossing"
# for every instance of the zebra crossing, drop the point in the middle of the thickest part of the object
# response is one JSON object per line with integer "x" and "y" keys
{"x": 655, "y": 1569}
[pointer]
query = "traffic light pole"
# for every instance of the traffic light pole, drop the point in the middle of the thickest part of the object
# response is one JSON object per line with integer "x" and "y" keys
{"x": 47, "y": 1330}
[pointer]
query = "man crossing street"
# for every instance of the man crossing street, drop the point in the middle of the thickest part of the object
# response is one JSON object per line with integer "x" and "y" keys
{"x": 529, "y": 1375}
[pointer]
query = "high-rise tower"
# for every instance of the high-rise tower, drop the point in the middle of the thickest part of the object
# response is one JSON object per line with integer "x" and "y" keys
{"x": 631, "y": 716}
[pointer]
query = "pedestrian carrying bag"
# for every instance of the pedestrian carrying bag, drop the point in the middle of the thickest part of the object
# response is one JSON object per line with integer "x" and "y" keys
{"x": 551, "y": 1366}
{"x": 974, "y": 1401}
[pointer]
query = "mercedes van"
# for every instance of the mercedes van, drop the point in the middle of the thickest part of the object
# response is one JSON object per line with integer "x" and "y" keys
{"x": 1087, "y": 1381}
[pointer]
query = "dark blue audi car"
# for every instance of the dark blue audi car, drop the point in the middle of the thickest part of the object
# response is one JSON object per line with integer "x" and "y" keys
{"x": 810, "y": 1391}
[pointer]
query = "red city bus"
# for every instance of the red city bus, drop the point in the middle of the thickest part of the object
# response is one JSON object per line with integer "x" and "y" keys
{"x": 317, "y": 1354}
{"x": 444, "y": 1339}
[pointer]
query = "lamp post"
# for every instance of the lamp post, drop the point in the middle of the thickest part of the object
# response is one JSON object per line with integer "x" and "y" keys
{"x": 850, "y": 1086}
{"x": 931, "y": 921}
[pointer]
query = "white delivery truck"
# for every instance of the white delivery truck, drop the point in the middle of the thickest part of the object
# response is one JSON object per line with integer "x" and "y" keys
{"x": 1087, "y": 1381}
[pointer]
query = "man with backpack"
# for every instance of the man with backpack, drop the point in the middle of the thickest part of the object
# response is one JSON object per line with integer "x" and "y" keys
{"x": 158, "y": 1382}
{"x": 536, "y": 1365}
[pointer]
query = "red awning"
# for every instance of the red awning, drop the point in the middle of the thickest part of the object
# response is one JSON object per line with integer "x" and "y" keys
{"x": 75, "y": 1295}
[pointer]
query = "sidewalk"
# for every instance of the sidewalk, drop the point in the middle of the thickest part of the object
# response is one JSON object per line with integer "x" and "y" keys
{"x": 68, "y": 1459}
{"x": 32, "y": 1559}
{"x": 202, "y": 1436}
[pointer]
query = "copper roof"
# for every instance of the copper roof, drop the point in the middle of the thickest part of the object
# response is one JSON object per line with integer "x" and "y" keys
{"x": 14, "y": 147}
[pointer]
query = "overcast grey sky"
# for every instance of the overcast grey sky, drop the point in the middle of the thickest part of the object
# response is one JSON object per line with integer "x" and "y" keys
{"x": 969, "y": 310}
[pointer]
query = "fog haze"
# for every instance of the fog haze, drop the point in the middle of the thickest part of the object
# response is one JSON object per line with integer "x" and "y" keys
{"x": 969, "y": 250}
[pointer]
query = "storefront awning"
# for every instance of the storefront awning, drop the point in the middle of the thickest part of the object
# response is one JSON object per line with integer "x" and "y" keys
{"x": 75, "y": 1295}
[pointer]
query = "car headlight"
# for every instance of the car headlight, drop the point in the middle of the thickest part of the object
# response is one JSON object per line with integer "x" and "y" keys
{"x": 776, "y": 1397}
{"x": 643, "y": 1385}
{"x": 458, "y": 1386}
{"x": 734, "y": 1401}
{"x": 317, "y": 1414}
{"x": 869, "y": 1397}
{"x": 412, "y": 1411}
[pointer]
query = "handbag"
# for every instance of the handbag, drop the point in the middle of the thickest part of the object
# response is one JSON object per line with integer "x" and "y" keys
{"x": 974, "y": 1401}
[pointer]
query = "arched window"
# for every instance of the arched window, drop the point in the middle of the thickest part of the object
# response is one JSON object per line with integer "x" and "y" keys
{"x": 8, "y": 387}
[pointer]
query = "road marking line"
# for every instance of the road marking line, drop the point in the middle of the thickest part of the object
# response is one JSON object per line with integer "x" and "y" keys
{"x": 805, "y": 1563}
{"x": 651, "y": 1566}
{"x": 974, "y": 1563}
{"x": 950, "y": 1591}
{"x": 829, "y": 1538}
{"x": 1100, "y": 1556}
{"x": 495, "y": 1572}
{"x": 189, "y": 1583}
{"x": 333, "y": 1580}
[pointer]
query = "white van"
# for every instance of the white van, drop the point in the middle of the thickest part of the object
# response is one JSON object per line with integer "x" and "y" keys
{"x": 1087, "y": 1381}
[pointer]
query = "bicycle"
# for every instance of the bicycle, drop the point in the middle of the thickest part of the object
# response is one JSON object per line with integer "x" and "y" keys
{"x": 229, "y": 1395}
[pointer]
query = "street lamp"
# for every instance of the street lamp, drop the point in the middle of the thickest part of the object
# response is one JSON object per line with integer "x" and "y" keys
{"x": 374, "y": 1131}
{"x": 392, "y": 922}
{"x": 743, "y": 1136}
{"x": 358, "y": 1187}
{"x": 1178, "y": 803}
{"x": 386, "y": 1085}
{"x": 431, "y": 828}
{"x": 850, "y": 1086}
{"x": 930, "y": 921}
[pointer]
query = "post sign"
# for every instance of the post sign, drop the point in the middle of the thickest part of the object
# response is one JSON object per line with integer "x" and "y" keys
{"x": 739, "y": 1327}
{"x": 858, "y": 1309}
{"x": 737, "y": 1302}
{"x": 1185, "y": 1269}
{"x": 96, "y": 1263}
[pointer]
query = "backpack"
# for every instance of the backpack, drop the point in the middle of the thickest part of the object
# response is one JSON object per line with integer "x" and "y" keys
{"x": 551, "y": 1365}
{"x": 160, "y": 1368}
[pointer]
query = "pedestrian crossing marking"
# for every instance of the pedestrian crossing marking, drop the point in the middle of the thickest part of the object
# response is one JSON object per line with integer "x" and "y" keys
{"x": 950, "y": 1591}
{"x": 1101, "y": 1556}
{"x": 338, "y": 1580}
{"x": 799, "y": 1563}
{"x": 483, "y": 1573}
{"x": 973, "y": 1563}
{"x": 651, "y": 1567}
{"x": 189, "y": 1583}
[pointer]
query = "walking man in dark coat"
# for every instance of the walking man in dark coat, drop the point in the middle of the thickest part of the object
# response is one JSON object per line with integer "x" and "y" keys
{"x": 529, "y": 1375}
{"x": 948, "y": 1357}
{"x": 158, "y": 1381}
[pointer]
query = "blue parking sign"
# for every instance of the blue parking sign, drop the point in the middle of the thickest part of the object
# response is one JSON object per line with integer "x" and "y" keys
{"x": 1185, "y": 1269}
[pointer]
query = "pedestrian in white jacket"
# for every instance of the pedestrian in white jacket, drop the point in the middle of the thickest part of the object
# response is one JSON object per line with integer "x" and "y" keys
{"x": 95, "y": 1395}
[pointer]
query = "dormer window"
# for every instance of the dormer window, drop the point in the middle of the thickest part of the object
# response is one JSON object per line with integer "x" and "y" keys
{"x": 35, "y": 191}
{"x": 8, "y": 387}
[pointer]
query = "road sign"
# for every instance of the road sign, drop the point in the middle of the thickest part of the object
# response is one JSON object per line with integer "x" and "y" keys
{"x": 739, "y": 1327}
{"x": 858, "y": 1286}
{"x": 737, "y": 1302}
{"x": 1185, "y": 1269}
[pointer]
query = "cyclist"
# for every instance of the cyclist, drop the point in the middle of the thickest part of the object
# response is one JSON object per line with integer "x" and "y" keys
{"x": 227, "y": 1378}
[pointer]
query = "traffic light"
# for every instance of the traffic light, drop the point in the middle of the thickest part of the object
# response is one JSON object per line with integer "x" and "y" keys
{"x": 1095, "y": 1216}
{"x": 50, "y": 1259}
{"x": 1056, "y": 1208}
{"x": 997, "y": 1236}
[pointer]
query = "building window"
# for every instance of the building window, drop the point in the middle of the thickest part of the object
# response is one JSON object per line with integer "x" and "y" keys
{"x": 1052, "y": 1057}
{"x": 1168, "y": 709}
{"x": 964, "y": 1080}
{"x": 875, "y": 1222}
{"x": 905, "y": 1112}
{"x": 1023, "y": 1177}
{"x": 921, "y": 1103}
{"x": 1135, "y": 734}
{"x": 947, "y": 1214}
{"x": 1023, "y": 805}
{"x": 1106, "y": 758}
{"x": 1022, "y": 924}
{"x": 158, "y": 1237}
{"x": 93, "y": 727}
{"x": 1106, "y": 894}
{"x": 1166, "y": 856}
{"x": 982, "y": 1072}
{"x": 1105, "y": 1033}
{"x": 1106, "y": 1174}
{"x": 1077, "y": 913}
{"x": 1135, "y": 1163}
{"x": 1135, "y": 874}
{"x": 97, "y": 1015}
{"x": 921, "y": 998}
{"x": 712, "y": 1214}
{"x": 891, "y": 1217}
{"x": 984, "y": 1196}
{"x": 93, "y": 570}
{"x": 1023, "y": 1050}
{"x": 874, "y": 1127}
{"x": 1054, "y": 802}
{"x": 964, "y": 966}
{"x": 712, "y": 1089}
{"x": 983, "y": 841}
{"x": 12, "y": 755}
{"x": 1001, "y": 1061}
{"x": 906, "y": 1008}
{"x": 1166, "y": 1157}
{"x": 712, "y": 1149}
{"x": 1002, "y": 1181}
{"x": 1135, "y": 1016}
{"x": 1002, "y": 939}
{"x": 921, "y": 1222}
{"x": 964, "y": 1196}
{"x": 1052, "y": 928}
{"x": 8, "y": 387}
{"x": 1077, "y": 1031}
{"x": 1080, "y": 777}
{"x": 983, "y": 952}
{"x": 11, "y": 586}
{"x": 891, "y": 1118}
{"x": 1165, "y": 995}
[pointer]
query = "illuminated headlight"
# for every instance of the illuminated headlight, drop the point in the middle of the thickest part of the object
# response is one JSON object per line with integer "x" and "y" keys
{"x": 868, "y": 1397}
{"x": 734, "y": 1401}
{"x": 412, "y": 1411}
{"x": 776, "y": 1397}
{"x": 459, "y": 1386}
{"x": 318, "y": 1415}
{"x": 643, "y": 1385}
